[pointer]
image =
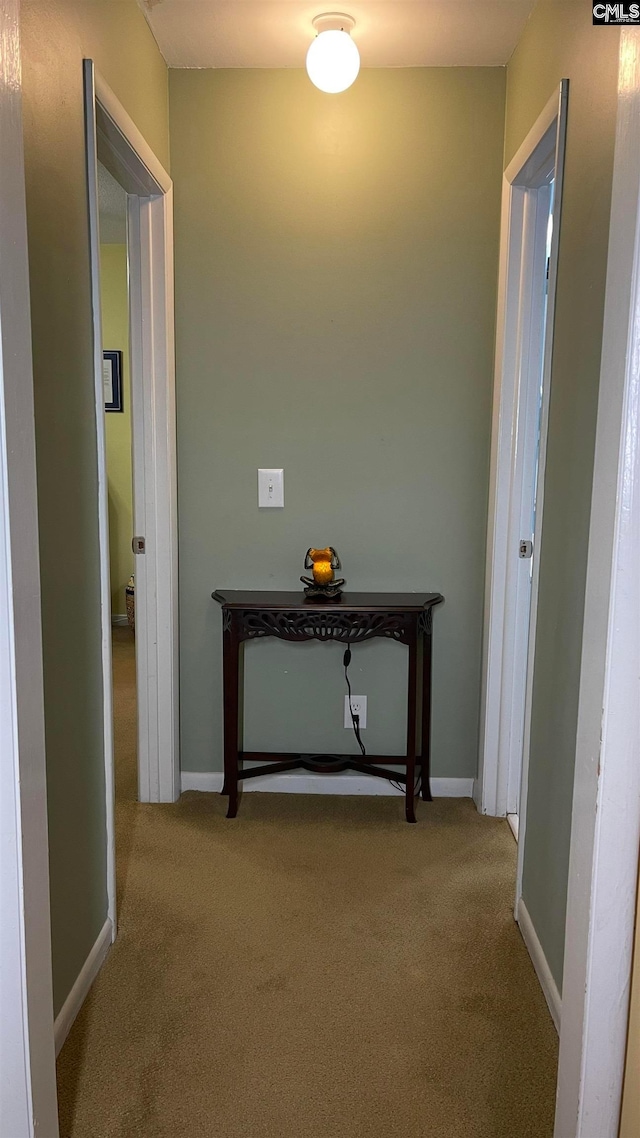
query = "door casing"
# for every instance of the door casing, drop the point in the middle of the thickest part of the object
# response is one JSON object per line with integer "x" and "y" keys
{"x": 605, "y": 829}
{"x": 28, "y": 1105}
{"x": 113, "y": 138}
{"x": 511, "y": 594}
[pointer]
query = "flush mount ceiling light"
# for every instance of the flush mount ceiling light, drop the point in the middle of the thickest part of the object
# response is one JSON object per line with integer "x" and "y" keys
{"x": 333, "y": 60}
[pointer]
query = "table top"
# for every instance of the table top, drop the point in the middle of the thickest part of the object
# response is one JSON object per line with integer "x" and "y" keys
{"x": 353, "y": 602}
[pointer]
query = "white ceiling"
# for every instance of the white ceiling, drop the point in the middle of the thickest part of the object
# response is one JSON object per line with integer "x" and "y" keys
{"x": 389, "y": 33}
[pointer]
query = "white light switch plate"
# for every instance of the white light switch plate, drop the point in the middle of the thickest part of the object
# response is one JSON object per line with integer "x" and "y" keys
{"x": 271, "y": 487}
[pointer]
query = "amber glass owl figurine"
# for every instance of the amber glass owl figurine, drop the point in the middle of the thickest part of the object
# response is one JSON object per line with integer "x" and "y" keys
{"x": 323, "y": 584}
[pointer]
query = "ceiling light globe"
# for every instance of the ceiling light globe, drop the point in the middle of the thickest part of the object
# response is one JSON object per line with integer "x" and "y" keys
{"x": 333, "y": 61}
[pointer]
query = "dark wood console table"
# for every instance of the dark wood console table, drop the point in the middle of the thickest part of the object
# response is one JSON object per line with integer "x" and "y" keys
{"x": 352, "y": 618}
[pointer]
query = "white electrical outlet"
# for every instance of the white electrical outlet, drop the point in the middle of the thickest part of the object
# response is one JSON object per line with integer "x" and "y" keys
{"x": 359, "y": 707}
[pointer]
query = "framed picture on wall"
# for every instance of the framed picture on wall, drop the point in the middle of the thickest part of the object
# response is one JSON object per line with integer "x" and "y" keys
{"x": 112, "y": 380}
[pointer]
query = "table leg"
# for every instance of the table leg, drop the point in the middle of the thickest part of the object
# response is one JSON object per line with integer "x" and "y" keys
{"x": 231, "y": 676}
{"x": 425, "y": 768}
{"x": 410, "y": 812}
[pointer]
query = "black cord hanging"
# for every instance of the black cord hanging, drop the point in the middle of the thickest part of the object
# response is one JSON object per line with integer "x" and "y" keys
{"x": 355, "y": 719}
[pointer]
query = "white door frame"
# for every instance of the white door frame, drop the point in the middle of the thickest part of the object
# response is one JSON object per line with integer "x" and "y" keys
{"x": 511, "y": 589}
{"x": 112, "y": 136}
{"x": 28, "y": 1105}
{"x": 605, "y": 834}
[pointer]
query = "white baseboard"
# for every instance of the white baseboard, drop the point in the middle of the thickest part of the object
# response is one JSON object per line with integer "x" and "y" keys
{"x": 513, "y": 821}
{"x": 309, "y": 783}
{"x": 118, "y": 618}
{"x": 547, "y": 982}
{"x": 80, "y": 990}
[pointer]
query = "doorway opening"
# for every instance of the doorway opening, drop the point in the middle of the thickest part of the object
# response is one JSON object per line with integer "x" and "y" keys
{"x": 531, "y": 201}
{"x": 114, "y": 296}
{"x": 114, "y": 142}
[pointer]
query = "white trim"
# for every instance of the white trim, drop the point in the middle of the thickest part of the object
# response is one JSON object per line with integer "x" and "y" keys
{"x": 91, "y": 143}
{"x": 150, "y": 229}
{"x": 605, "y": 834}
{"x": 114, "y": 138}
{"x": 28, "y": 1104}
{"x": 539, "y": 960}
{"x": 78, "y": 994}
{"x": 544, "y": 121}
{"x": 510, "y": 597}
{"x": 125, "y": 145}
{"x": 118, "y": 619}
{"x": 519, "y": 595}
{"x": 309, "y": 783}
{"x": 514, "y": 824}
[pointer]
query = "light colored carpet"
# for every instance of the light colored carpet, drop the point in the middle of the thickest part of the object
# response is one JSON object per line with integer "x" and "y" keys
{"x": 315, "y": 968}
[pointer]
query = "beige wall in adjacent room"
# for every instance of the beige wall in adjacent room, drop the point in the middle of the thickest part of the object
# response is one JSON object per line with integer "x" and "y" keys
{"x": 560, "y": 42}
{"x": 336, "y": 266}
{"x": 56, "y": 36}
{"x": 115, "y": 337}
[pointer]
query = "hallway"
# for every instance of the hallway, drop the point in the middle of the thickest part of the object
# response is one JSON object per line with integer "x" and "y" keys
{"x": 314, "y": 969}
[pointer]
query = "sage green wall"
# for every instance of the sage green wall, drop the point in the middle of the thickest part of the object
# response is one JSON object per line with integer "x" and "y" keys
{"x": 336, "y": 264}
{"x": 56, "y": 34}
{"x": 115, "y": 337}
{"x": 559, "y": 41}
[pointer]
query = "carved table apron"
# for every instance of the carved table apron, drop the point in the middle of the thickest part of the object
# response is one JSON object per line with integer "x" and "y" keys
{"x": 352, "y": 618}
